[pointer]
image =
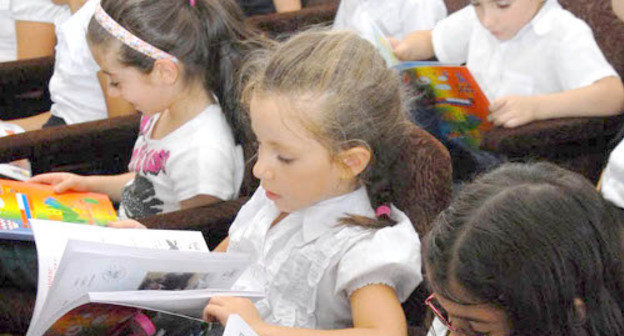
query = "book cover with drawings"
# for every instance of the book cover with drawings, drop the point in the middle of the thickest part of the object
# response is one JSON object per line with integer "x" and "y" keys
{"x": 459, "y": 102}
{"x": 20, "y": 202}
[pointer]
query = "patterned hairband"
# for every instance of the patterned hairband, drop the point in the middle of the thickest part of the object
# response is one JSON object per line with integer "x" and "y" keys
{"x": 128, "y": 38}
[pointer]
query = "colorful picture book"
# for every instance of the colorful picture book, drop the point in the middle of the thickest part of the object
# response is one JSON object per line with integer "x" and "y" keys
{"x": 459, "y": 103}
{"x": 103, "y": 281}
{"x": 21, "y": 202}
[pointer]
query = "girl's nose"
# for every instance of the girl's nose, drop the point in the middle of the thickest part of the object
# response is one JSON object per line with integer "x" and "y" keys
{"x": 261, "y": 170}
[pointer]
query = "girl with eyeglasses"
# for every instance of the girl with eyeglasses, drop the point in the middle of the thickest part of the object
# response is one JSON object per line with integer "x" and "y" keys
{"x": 527, "y": 250}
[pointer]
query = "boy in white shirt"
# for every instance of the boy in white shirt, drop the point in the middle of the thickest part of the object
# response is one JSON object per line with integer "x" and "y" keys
{"x": 397, "y": 17}
{"x": 534, "y": 59}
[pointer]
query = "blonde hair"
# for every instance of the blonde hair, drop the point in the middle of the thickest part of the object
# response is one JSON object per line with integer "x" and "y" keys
{"x": 345, "y": 95}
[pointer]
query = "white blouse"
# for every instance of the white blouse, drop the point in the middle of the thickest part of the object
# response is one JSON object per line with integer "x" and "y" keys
{"x": 308, "y": 266}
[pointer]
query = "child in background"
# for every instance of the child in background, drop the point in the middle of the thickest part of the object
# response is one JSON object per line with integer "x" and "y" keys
{"x": 533, "y": 59}
{"x": 34, "y": 25}
{"x": 176, "y": 61}
{"x": 27, "y": 28}
{"x": 527, "y": 250}
{"x": 328, "y": 248}
{"x": 77, "y": 91}
{"x": 396, "y": 17}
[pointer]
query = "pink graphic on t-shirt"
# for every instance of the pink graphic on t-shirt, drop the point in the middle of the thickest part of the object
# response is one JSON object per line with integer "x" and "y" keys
{"x": 149, "y": 161}
{"x": 145, "y": 124}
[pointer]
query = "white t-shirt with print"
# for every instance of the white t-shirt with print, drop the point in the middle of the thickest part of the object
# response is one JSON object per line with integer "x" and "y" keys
{"x": 396, "y": 17}
{"x": 75, "y": 90}
{"x": 554, "y": 52}
{"x": 308, "y": 265}
{"x": 198, "y": 158}
{"x": 612, "y": 184}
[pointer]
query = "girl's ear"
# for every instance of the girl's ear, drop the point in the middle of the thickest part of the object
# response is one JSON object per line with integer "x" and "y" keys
{"x": 164, "y": 72}
{"x": 354, "y": 160}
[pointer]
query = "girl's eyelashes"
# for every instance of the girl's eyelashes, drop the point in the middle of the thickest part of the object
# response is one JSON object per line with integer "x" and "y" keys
{"x": 284, "y": 159}
{"x": 113, "y": 84}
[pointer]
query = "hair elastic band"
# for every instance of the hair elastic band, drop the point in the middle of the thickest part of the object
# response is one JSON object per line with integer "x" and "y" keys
{"x": 128, "y": 38}
{"x": 192, "y": 3}
{"x": 382, "y": 210}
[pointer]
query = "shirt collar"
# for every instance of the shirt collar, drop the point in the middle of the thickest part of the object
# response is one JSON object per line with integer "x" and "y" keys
{"x": 543, "y": 21}
{"x": 323, "y": 216}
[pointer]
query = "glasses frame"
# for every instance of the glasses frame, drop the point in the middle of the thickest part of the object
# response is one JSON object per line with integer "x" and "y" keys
{"x": 429, "y": 302}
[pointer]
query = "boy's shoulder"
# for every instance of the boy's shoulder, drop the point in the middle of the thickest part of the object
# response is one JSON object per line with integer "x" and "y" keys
{"x": 560, "y": 24}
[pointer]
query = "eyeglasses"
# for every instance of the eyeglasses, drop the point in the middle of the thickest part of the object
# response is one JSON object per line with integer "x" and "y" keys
{"x": 442, "y": 315}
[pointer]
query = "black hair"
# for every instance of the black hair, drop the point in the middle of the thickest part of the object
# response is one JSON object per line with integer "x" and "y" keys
{"x": 530, "y": 239}
{"x": 210, "y": 38}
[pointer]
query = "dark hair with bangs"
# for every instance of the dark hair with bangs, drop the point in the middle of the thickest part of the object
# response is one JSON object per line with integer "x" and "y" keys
{"x": 210, "y": 38}
{"x": 530, "y": 239}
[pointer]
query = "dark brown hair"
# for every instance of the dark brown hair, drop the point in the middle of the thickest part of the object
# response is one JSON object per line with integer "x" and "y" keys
{"x": 531, "y": 239}
{"x": 210, "y": 39}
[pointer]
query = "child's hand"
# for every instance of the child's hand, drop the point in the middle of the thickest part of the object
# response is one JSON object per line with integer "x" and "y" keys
{"x": 415, "y": 46}
{"x": 219, "y": 308}
{"x": 126, "y": 224}
{"x": 62, "y": 181}
{"x": 513, "y": 111}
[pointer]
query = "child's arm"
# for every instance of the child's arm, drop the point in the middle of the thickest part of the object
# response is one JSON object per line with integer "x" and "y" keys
{"x": 110, "y": 185}
{"x": 603, "y": 98}
{"x": 287, "y": 5}
{"x": 32, "y": 123}
{"x": 376, "y": 311}
{"x": 116, "y": 106}
{"x": 34, "y": 39}
{"x": 416, "y": 46}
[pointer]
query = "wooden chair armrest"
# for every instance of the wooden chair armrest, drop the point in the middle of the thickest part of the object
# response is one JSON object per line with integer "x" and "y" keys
{"x": 78, "y": 143}
{"x": 540, "y": 137}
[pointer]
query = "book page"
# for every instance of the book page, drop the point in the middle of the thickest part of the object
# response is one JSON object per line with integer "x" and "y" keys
{"x": 136, "y": 277}
{"x": 52, "y": 237}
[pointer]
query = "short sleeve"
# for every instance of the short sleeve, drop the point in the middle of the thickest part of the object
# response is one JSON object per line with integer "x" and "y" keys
{"x": 451, "y": 36}
{"x": 207, "y": 169}
{"x": 579, "y": 61}
{"x": 390, "y": 257}
{"x": 39, "y": 11}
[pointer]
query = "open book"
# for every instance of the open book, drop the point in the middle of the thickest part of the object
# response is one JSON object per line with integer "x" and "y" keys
{"x": 20, "y": 202}
{"x": 99, "y": 281}
{"x": 460, "y": 105}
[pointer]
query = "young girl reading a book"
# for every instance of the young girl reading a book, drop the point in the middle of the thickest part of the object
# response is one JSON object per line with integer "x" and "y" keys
{"x": 328, "y": 248}
{"x": 533, "y": 59}
{"x": 527, "y": 250}
{"x": 175, "y": 61}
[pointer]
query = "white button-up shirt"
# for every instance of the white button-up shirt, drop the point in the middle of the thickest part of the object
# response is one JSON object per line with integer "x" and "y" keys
{"x": 554, "y": 52}
{"x": 308, "y": 265}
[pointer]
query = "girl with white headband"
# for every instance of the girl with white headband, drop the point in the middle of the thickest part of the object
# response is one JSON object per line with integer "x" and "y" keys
{"x": 175, "y": 61}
